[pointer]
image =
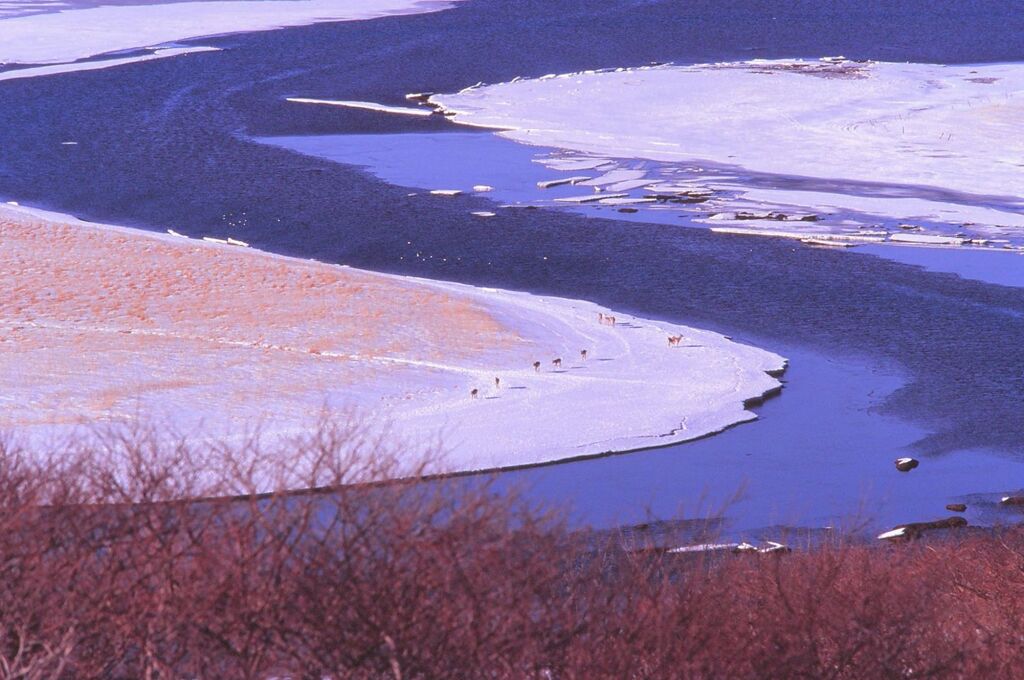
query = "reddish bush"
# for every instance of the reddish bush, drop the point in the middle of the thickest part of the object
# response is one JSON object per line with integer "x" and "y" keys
{"x": 131, "y": 556}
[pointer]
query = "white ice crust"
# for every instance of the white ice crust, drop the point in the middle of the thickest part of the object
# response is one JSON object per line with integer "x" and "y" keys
{"x": 950, "y": 135}
{"x": 71, "y": 34}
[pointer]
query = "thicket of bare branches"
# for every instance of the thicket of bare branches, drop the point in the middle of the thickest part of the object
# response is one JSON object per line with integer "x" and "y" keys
{"x": 111, "y": 568}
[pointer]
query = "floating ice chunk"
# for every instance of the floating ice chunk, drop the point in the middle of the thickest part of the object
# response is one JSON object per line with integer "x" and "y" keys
{"x": 927, "y": 239}
{"x": 703, "y": 547}
{"x": 212, "y": 239}
{"x": 548, "y": 184}
{"x": 626, "y": 201}
{"x": 827, "y": 243}
{"x": 14, "y": 203}
{"x": 482, "y": 188}
{"x": 614, "y": 177}
{"x": 483, "y": 213}
{"x": 573, "y": 163}
{"x": 628, "y": 185}
{"x": 69, "y": 143}
{"x": 446, "y": 192}
{"x": 369, "y": 106}
{"x": 174, "y": 233}
{"x": 899, "y": 532}
{"x": 589, "y": 198}
{"x": 680, "y": 189}
{"x": 774, "y": 547}
{"x": 236, "y": 242}
{"x": 798, "y": 235}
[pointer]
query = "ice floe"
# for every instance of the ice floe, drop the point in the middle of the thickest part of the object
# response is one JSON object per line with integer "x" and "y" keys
{"x": 863, "y": 140}
{"x": 552, "y": 183}
{"x": 589, "y": 198}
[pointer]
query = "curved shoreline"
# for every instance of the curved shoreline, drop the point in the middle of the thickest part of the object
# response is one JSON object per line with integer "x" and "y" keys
{"x": 421, "y": 347}
{"x": 69, "y": 33}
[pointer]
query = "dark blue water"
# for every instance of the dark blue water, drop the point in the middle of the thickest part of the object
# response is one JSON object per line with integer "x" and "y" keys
{"x": 819, "y": 456}
{"x": 822, "y": 455}
{"x": 166, "y": 144}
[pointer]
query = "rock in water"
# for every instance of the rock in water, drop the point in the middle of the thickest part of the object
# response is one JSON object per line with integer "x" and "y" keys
{"x": 906, "y": 464}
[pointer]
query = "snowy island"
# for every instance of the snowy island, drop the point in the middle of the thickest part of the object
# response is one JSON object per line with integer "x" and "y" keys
{"x": 104, "y": 323}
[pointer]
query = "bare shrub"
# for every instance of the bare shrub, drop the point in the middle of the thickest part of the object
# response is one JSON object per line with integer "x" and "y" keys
{"x": 129, "y": 553}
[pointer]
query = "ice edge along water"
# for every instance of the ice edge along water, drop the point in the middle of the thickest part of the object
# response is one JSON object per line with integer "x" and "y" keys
{"x": 933, "y": 142}
{"x": 67, "y": 35}
{"x": 633, "y": 391}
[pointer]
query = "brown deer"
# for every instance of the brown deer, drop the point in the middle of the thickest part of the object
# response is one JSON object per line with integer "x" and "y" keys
{"x": 497, "y": 382}
{"x": 674, "y": 340}
{"x": 536, "y": 366}
{"x": 583, "y": 354}
{"x": 474, "y": 392}
{"x": 557, "y": 363}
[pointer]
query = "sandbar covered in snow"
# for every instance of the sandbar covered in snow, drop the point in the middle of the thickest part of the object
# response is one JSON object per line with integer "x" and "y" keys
{"x": 106, "y": 324}
{"x": 928, "y": 142}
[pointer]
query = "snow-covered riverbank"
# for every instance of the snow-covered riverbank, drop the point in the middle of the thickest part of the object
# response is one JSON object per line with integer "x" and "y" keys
{"x": 106, "y": 323}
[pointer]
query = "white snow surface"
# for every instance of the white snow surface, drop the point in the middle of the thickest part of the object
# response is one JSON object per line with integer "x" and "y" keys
{"x": 54, "y": 69}
{"x": 69, "y": 34}
{"x": 632, "y": 391}
{"x": 952, "y": 132}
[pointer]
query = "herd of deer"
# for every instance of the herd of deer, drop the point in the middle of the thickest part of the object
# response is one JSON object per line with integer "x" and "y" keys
{"x": 602, "y": 318}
